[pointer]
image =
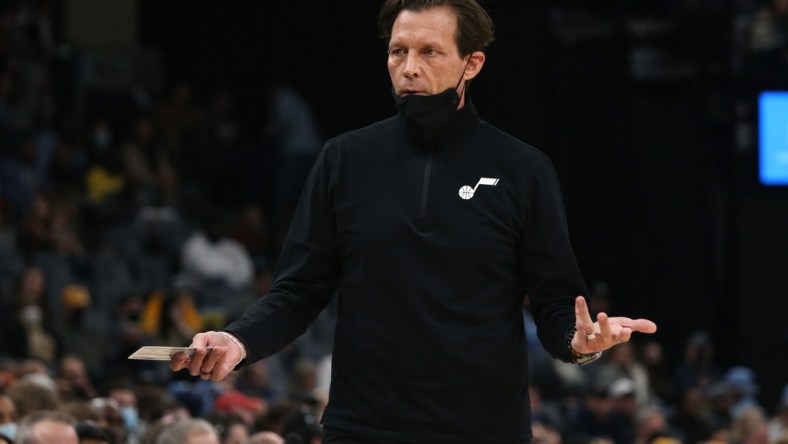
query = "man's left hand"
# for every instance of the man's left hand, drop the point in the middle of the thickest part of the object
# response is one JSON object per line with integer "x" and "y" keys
{"x": 606, "y": 332}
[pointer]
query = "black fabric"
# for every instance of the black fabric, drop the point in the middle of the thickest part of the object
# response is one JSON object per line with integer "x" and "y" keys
{"x": 429, "y": 344}
{"x": 336, "y": 436}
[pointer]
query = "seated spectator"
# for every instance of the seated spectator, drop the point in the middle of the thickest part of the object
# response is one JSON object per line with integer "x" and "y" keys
{"x": 596, "y": 419}
{"x": 232, "y": 429}
{"x": 265, "y": 438}
{"x": 246, "y": 408}
{"x": 8, "y": 417}
{"x": 252, "y": 231}
{"x": 126, "y": 334}
{"x": 621, "y": 362}
{"x": 29, "y": 334}
{"x": 750, "y": 425}
{"x": 698, "y": 367}
{"x": 778, "y": 425}
{"x": 255, "y": 380}
{"x": 651, "y": 423}
{"x": 122, "y": 391}
{"x": 72, "y": 379}
{"x": 30, "y": 394}
{"x": 110, "y": 418}
{"x": 693, "y": 417}
{"x": 188, "y": 431}
{"x": 49, "y": 227}
{"x": 21, "y": 176}
{"x": 81, "y": 411}
{"x": 90, "y": 433}
{"x": 210, "y": 254}
{"x": 171, "y": 317}
{"x": 78, "y": 335}
{"x": 46, "y": 427}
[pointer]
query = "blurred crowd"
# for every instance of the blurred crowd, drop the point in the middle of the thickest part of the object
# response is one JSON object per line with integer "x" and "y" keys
{"x": 131, "y": 219}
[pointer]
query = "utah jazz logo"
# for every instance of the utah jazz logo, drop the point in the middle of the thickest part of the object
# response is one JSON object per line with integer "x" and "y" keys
{"x": 466, "y": 192}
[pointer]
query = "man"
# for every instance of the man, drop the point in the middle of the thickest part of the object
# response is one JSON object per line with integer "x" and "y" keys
{"x": 47, "y": 427}
{"x": 188, "y": 431}
{"x": 430, "y": 226}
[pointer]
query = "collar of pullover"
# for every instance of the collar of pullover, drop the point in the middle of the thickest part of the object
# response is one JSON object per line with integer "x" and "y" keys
{"x": 462, "y": 121}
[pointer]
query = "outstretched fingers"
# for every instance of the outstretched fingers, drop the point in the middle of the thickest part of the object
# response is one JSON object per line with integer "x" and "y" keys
{"x": 636, "y": 325}
{"x": 583, "y": 321}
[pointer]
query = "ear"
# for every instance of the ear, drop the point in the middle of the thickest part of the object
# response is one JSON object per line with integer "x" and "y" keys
{"x": 474, "y": 65}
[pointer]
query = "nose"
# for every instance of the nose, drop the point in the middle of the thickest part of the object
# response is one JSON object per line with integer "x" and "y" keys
{"x": 411, "y": 67}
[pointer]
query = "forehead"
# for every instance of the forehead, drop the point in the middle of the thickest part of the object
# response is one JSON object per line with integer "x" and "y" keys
{"x": 435, "y": 24}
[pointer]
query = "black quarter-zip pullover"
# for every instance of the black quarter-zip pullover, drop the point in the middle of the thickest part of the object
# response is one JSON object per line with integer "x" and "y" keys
{"x": 430, "y": 251}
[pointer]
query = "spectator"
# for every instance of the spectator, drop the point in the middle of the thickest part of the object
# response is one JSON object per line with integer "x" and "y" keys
{"x": 621, "y": 362}
{"x": 170, "y": 317}
{"x": 232, "y": 429}
{"x": 778, "y": 426}
{"x": 625, "y": 404}
{"x": 742, "y": 388}
{"x": 67, "y": 171}
{"x": 29, "y": 334}
{"x": 596, "y": 419}
{"x": 265, "y": 438}
{"x": 90, "y": 433}
{"x": 697, "y": 367}
{"x": 296, "y": 139}
{"x": 79, "y": 335}
{"x": 651, "y": 424}
{"x": 111, "y": 418}
{"x": 147, "y": 161}
{"x": 660, "y": 384}
{"x": 550, "y": 414}
{"x": 122, "y": 391}
{"x": 20, "y": 178}
{"x": 245, "y": 407}
{"x": 692, "y": 416}
{"x": 31, "y": 394}
{"x": 255, "y": 380}
{"x": 750, "y": 425}
{"x": 73, "y": 380}
{"x": 253, "y": 233}
{"x": 127, "y": 334}
{"x": 8, "y": 416}
{"x": 188, "y": 431}
{"x": 46, "y": 427}
{"x": 48, "y": 227}
{"x": 81, "y": 411}
{"x": 211, "y": 255}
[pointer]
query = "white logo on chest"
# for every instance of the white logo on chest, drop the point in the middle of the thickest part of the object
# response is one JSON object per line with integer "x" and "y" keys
{"x": 467, "y": 192}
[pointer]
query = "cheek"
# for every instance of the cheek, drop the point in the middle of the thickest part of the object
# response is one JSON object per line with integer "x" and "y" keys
{"x": 393, "y": 67}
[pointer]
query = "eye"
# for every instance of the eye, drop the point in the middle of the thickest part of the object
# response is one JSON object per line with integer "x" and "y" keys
{"x": 429, "y": 51}
{"x": 396, "y": 52}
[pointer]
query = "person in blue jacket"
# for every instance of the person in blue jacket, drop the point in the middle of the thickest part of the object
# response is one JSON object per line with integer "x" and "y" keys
{"x": 430, "y": 227}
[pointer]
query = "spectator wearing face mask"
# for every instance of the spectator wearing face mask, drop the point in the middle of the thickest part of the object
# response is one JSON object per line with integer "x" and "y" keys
{"x": 7, "y": 417}
{"x": 29, "y": 333}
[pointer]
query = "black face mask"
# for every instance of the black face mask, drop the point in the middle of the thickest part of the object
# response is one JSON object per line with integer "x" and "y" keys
{"x": 429, "y": 116}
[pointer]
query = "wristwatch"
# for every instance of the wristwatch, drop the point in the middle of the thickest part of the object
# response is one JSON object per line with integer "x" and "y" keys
{"x": 580, "y": 358}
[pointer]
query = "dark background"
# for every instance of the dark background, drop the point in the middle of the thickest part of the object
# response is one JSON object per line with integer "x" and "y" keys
{"x": 646, "y": 108}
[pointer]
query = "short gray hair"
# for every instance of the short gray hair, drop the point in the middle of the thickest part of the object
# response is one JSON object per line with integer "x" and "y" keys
{"x": 179, "y": 431}
{"x": 25, "y": 431}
